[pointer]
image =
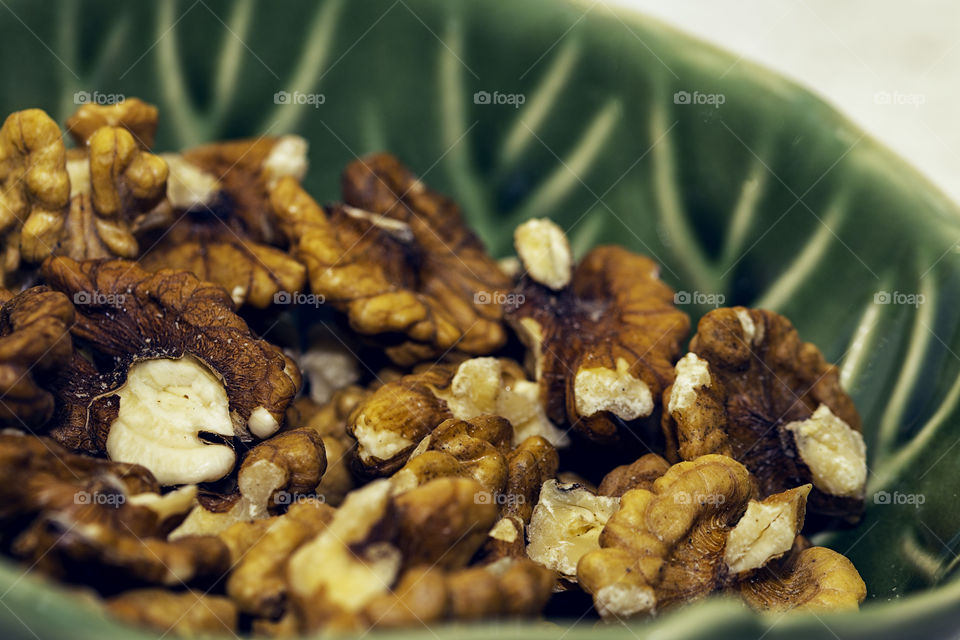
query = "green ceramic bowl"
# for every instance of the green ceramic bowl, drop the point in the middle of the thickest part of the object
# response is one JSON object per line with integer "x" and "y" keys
{"x": 747, "y": 189}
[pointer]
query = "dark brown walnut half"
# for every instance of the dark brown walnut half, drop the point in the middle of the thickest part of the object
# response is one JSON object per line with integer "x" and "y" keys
{"x": 172, "y": 362}
{"x": 98, "y": 521}
{"x": 751, "y": 389}
{"x": 220, "y": 225}
{"x": 399, "y": 415}
{"x": 397, "y": 258}
{"x": 34, "y": 341}
{"x": 603, "y": 339}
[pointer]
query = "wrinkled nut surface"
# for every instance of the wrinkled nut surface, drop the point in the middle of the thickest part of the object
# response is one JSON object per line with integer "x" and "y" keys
{"x": 72, "y": 515}
{"x": 400, "y": 414}
{"x": 666, "y": 546}
{"x": 221, "y": 227}
{"x": 443, "y": 522}
{"x": 34, "y": 187}
{"x": 34, "y": 341}
{"x": 602, "y": 347}
{"x": 168, "y": 323}
{"x": 188, "y": 613}
{"x": 428, "y": 595}
{"x": 566, "y": 525}
{"x": 750, "y": 389}
{"x": 640, "y": 474}
{"x": 814, "y": 579}
{"x": 136, "y": 116}
{"x": 274, "y": 474}
{"x": 396, "y": 258}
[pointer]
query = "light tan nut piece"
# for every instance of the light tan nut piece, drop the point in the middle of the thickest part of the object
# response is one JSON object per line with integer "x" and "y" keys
{"x": 751, "y": 389}
{"x": 328, "y": 366}
{"x": 223, "y": 229}
{"x": 475, "y": 449}
{"x": 332, "y": 577}
{"x": 766, "y": 531}
{"x": 132, "y": 114}
{"x": 34, "y": 188}
{"x": 816, "y": 579}
{"x": 425, "y": 596}
{"x": 188, "y": 613}
{"x": 396, "y": 258}
{"x": 602, "y": 348}
{"x": 640, "y": 474}
{"x": 167, "y": 334}
{"x": 400, "y": 414}
{"x": 566, "y": 525}
{"x": 34, "y": 342}
{"x": 544, "y": 253}
{"x": 666, "y": 546}
{"x": 257, "y": 583}
{"x": 277, "y": 472}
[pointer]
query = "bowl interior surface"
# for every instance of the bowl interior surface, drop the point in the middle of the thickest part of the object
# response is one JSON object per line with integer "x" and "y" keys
{"x": 746, "y": 189}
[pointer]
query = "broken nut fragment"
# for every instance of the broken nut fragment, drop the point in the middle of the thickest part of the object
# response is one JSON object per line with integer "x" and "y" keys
{"x": 750, "y": 389}
{"x": 188, "y": 613}
{"x": 132, "y": 114}
{"x": 638, "y": 475}
{"x": 766, "y": 531}
{"x": 603, "y": 346}
{"x": 397, "y": 259}
{"x": 544, "y": 252}
{"x": 566, "y": 525}
{"x": 166, "y": 335}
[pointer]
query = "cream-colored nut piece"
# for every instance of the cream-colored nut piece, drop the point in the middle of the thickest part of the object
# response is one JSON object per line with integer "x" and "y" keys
{"x": 188, "y": 186}
{"x": 544, "y": 252}
{"x": 288, "y": 157}
{"x": 693, "y": 373}
{"x": 566, "y": 524}
{"x": 766, "y": 531}
{"x": 164, "y": 406}
{"x": 481, "y": 386}
{"x": 345, "y": 566}
{"x": 261, "y": 423}
{"x": 615, "y": 390}
{"x": 834, "y": 452}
